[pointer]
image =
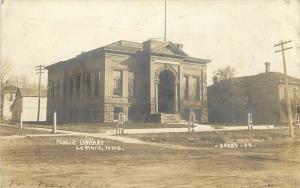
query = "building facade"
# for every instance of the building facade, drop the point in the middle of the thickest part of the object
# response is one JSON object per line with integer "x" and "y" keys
{"x": 263, "y": 95}
{"x": 8, "y": 96}
{"x": 26, "y": 102}
{"x": 149, "y": 81}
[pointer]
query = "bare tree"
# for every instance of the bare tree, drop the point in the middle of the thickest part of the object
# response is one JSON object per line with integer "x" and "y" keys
{"x": 235, "y": 95}
{"x": 224, "y": 73}
{"x": 5, "y": 70}
{"x": 20, "y": 81}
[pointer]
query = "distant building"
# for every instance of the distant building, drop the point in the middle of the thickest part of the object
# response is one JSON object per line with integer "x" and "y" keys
{"x": 149, "y": 81}
{"x": 263, "y": 95}
{"x": 26, "y": 101}
{"x": 7, "y": 98}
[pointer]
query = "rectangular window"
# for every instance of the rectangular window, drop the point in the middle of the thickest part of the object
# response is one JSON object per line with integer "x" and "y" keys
{"x": 130, "y": 87}
{"x": 77, "y": 86}
{"x": 196, "y": 88}
{"x": 58, "y": 90}
{"x": 186, "y": 88}
{"x": 71, "y": 87}
{"x": 97, "y": 81}
{"x": 131, "y": 84}
{"x": 201, "y": 85}
{"x": 52, "y": 90}
{"x": 117, "y": 83}
{"x": 294, "y": 92}
{"x": 89, "y": 84}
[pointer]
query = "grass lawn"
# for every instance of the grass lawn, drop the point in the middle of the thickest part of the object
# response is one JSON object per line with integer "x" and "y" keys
{"x": 102, "y": 127}
{"x": 212, "y": 138}
{"x": 80, "y": 127}
{"x": 42, "y": 162}
{"x": 10, "y": 131}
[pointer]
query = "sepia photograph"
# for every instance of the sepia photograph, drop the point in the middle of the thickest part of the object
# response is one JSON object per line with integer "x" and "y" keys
{"x": 150, "y": 93}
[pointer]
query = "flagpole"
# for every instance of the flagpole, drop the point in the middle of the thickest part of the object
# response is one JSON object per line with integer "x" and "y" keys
{"x": 165, "y": 34}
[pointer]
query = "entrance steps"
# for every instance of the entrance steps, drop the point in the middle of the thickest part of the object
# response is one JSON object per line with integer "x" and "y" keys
{"x": 165, "y": 118}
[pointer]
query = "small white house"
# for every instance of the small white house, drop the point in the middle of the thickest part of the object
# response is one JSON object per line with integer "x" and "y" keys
{"x": 8, "y": 95}
{"x": 26, "y": 101}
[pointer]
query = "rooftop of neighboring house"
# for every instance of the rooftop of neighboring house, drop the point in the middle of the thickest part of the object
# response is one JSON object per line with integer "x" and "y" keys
{"x": 10, "y": 89}
{"x": 271, "y": 77}
{"x": 267, "y": 77}
{"x": 31, "y": 92}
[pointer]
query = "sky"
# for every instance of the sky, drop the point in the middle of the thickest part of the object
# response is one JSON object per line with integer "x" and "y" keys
{"x": 239, "y": 33}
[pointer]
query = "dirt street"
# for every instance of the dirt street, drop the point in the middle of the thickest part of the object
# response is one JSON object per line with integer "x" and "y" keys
{"x": 60, "y": 162}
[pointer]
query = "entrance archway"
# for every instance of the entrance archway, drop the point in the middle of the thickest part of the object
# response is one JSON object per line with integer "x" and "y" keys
{"x": 166, "y": 92}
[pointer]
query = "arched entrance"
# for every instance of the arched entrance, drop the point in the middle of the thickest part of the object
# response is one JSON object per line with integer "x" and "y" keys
{"x": 166, "y": 92}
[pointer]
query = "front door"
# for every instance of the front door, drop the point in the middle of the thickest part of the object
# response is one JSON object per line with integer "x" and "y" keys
{"x": 166, "y": 92}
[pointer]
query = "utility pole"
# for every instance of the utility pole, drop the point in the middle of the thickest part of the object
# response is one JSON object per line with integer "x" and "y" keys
{"x": 165, "y": 33}
{"x": 1, "y": 102}
{"x": 288, "y": 100}
{"x": 39, "y": 70}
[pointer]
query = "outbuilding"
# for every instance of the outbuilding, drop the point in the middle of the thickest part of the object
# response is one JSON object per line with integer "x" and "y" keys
{"x": 26, "y": 102}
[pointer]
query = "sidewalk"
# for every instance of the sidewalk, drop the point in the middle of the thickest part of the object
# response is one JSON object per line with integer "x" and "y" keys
{"x": 110, "y": 134}
{"x": 198, "y": 128}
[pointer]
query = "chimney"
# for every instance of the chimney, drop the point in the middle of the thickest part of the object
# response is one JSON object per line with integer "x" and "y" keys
{"x": 122, "y": 42}
{"x": 268, "y": 64}
{"x": 180, "y": 46}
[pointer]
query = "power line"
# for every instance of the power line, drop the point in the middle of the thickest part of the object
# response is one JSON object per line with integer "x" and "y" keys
{"x": 289, "y": 110}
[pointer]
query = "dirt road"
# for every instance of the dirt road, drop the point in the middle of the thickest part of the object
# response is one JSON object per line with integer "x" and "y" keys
{"x": 45, "y": 162}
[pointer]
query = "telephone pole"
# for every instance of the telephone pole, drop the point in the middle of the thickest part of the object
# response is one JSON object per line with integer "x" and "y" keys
{"x": 165, "y": 33}
{"x": 39, "y": 70}
{"x": 288, "y": 100}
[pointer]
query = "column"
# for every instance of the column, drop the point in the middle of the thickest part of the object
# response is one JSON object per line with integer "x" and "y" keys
{"x": 156, "y": 95}
{"x": 199, "y": 85}
{"x": 82, "y": 84}
{"x": 124, "y": 77}
{"x": 93, "y": 80}
{"x": 176, "y": 97}
{"x": 201, "y": 88}
{"x": 125, "y": 111}
{"x": 74, "y": 87}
